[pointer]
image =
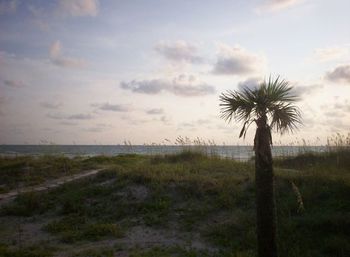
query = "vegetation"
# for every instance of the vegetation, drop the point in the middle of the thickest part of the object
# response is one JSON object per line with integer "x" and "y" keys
{"x": 270, "y": 106}
{"x": 181, "y": 205}
{"x": 29, "y": 171}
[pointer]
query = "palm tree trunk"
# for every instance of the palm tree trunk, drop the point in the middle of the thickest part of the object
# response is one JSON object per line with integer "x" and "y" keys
{"x": 265, "y": 199}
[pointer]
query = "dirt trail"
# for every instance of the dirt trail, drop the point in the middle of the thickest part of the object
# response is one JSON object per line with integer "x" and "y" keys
{"x": 47, "y": 185}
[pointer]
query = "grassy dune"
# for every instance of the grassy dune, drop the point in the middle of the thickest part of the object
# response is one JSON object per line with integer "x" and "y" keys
{"x": 179, "y": 205}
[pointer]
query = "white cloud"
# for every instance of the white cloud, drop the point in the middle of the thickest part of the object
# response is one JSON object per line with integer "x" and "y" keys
{"x": 251, "y": 83}
{"x": 237, "y": 61}
{"x": 340, "y": 74}
{"x": 196, "y": 123}
{"x": 79, "y": 7}
{"x": 301, "y": 90}
{"x": 8, "y": 6}
{"x": 100, "y": 127}
{"x": 112, "y": 107}
{"x": 155, "y": 111}
{"x": 165, "y": 120}
{"x": 298, "y": 89}
{"x": 58, "y": 59}
{"x": 330, "y": 53}
{"x": 187, "y": 125}
{"x": 179, "y": 51}
{"x": 276, "y": 5}
{"x": 342, "y": 106}
{"x": 336, "y": 124}
{"x": 333, "y": 114}
{"x": 80, "y": 116}
{"x": 203, "y": 121}
{"x": 183, "y": 85}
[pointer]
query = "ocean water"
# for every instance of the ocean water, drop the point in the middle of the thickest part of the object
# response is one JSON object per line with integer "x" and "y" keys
{"x": 234, "y": 152}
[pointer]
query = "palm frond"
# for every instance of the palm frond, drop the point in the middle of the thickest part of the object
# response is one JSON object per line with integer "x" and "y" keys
{"x": 285, "y": 117}
{"x": 273, "y": 99}
{"x": 279, "y": 91}
{"x": 235, "y": 105}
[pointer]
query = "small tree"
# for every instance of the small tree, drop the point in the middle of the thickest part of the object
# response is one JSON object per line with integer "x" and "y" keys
{"x": 270, "y": 106}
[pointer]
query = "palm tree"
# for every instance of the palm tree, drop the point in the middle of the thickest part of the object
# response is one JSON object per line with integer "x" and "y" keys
{"x": 270, "y": 106}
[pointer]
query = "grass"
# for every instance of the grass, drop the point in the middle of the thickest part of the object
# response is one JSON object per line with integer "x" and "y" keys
{"x": 167, "y": 252}
{"x": 138, "y": 252}
{"x": 190, "y": 194}
{"x": 77, "y": 228}
{"x": 29, "y": 171}
{"x": 29, "y": 251}
{"x": 98, "y": 252}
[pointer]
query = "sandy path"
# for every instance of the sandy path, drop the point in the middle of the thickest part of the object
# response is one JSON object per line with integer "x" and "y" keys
{"x": 47, "y": 185}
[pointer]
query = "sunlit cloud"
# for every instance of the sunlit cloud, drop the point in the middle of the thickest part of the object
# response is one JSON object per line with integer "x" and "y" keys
{"x": 79, "y": 7}
{"x": 57, "y": 58}
{"x": 340, "y": 74}
{"x": 70, "y": 65}
{"x": 237, "y": 61}
{"x": 330, "y": 53}
{"x": 183, "y": 85}
{"x": 178, "y": 51}
{"x": 276, "y": 5}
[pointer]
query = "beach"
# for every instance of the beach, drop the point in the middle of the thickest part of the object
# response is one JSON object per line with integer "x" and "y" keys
{"x": 185, "y": 204}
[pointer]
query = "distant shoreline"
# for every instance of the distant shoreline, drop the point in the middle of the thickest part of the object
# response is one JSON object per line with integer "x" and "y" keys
{"x": 239, "y": 152}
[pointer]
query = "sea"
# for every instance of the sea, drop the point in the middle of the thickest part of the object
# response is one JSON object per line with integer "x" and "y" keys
{"x": 238, "y": 152}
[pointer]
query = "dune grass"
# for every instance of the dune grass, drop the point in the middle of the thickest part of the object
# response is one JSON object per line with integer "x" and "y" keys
{"x": 187, "y": 194}
{"x": 29, "y": 171}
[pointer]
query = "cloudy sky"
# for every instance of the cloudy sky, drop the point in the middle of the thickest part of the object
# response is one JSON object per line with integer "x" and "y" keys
{"x": 105, "y": 71}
